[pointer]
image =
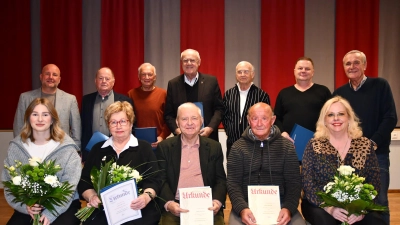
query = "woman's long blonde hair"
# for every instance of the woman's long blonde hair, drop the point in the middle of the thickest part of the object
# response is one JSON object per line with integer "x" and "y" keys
{"x": 56, "y": 133}
{"x": 354, "y": 130}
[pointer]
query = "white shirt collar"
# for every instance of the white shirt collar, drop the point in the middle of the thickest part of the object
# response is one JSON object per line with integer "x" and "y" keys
{"x": 193, "y": 81}
{"x": 359, "y": 86}
{"x": 133, "y": 142}
{"x": 237, "y": 84}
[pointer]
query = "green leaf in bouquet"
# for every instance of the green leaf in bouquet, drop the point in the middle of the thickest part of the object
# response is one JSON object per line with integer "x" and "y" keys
{"x": 357, "y": 207}
{"x": 31, "y": 201}
{"x": 329, "y": 200}
{"x": 374, "y": 207}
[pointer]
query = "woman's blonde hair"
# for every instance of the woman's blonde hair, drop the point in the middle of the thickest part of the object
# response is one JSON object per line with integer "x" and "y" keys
{"x": 354, "y": 129}
{"x": 56, "y": 133}
{"x": 117, "y": 107}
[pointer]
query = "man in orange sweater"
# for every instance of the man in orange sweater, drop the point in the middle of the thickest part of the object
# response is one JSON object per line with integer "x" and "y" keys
{"x": 150, "y": 102}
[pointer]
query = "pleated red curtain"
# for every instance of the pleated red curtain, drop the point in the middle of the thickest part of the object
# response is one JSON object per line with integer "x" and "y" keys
{"x": 61, "y": 41}
{"x": 15, "y": 57}
{"x": 282, "y": 42}
{"x": 357, "y": 27}
{"x": 202, "y": 29}
{"x": 122, "y": 41}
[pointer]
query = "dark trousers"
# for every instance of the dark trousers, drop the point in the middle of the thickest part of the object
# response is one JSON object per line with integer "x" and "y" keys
{"x": 228, "y": 149}
{"x": 168, "y": 218}
{"x": 316, "y": 215}
{"x": 382, "y": 198}
{"x": 150, "y": 216}
{"x": 67, "y": 218}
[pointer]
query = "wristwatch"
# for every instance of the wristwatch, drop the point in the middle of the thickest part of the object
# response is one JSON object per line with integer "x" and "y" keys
{"x": 150, "y": 194}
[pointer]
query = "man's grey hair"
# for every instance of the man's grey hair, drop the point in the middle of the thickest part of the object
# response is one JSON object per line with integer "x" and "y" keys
{"x": 363, "y": 56}
{"x": 195, "y": 52}
{"x": 147, "y": 64}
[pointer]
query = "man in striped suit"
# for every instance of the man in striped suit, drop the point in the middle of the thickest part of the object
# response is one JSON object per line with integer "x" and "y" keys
{"x": 237, "y": 102}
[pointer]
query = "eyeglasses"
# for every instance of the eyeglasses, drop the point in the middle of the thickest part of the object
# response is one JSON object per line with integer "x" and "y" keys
{"x": 187, "y": 61}
{"x": 114, "y": 123}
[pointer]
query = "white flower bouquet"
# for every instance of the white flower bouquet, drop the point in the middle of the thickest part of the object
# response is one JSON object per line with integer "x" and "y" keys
{"x": 110, "y": 173}
{"x": 349, "y": 192}
{"x": 37, "y": 183}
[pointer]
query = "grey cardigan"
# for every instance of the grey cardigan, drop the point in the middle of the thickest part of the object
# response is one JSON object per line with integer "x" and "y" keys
{"x": 64, "y": 155}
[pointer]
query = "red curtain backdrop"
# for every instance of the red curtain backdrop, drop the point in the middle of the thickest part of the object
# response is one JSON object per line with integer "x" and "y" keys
{"x": 356, "y": 31}
{"x": 61, "y": 41}
{"x": 15, "y": 57}
{"x": 282, "y": 42}
{"x": 202, "y": 29}
{"x": 122, "y": 41}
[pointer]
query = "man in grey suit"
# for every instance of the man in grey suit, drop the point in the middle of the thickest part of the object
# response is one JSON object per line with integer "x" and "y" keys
{"x": 193, "y": 86}
{"x": 65, "y": 104}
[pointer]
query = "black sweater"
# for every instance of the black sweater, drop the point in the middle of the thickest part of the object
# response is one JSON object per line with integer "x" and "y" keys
{"x": 374, "y": 105}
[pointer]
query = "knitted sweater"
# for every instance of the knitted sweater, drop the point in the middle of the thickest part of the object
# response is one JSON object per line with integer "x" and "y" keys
{"x": 149, "y": 109}
{"x": 276, "y": 161}
{"x": 64, "y": 155}
{"x": 374, "y": 105}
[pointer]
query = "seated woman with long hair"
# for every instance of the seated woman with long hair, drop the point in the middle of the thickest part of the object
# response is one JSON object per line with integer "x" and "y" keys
{"x": 337, "y": 141}
{"x": 42, "y": 137}
{"x": 125, "y": 149}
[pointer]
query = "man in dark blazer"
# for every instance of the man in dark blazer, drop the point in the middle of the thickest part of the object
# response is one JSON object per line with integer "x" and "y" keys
{"x": 193, "y": 86}
{"x": 190, "y": 160}
{"x": 94, "y": 105}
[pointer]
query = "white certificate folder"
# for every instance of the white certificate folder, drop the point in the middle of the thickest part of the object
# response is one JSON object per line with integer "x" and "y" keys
{"x": 264, "y": 203}
{"x": 301, "y": 136}
{"x": 197, "y": 200}
{"x": 116, "y": 200}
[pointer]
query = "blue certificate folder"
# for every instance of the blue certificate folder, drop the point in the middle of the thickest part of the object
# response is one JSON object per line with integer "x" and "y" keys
{"x": 200, "y": 105}
{"x": 301, "y": 136}
{"x": 148, "y": 134}
{"x": 96, "y": 138}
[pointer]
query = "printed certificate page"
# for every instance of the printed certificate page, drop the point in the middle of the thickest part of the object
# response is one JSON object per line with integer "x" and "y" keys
{"x": 197, "y": 200}
{"x": 265, "y": 203}
{"x": 116, "y": 201}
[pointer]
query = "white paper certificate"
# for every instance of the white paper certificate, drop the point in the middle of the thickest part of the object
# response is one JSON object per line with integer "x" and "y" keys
{"x": 116, "y": 201}
{"x": 197, "y": 200}
{"x": 265, "y": 203}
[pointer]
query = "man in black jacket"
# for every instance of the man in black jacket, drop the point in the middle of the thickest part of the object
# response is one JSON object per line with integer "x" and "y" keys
{"x": 94, "y": 105}
{"x": 193, "y": 86}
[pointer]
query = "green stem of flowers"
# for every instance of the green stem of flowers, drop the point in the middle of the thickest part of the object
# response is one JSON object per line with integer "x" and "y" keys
{"x": 84, "y": 213}
{"x": 36, "y": 220}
